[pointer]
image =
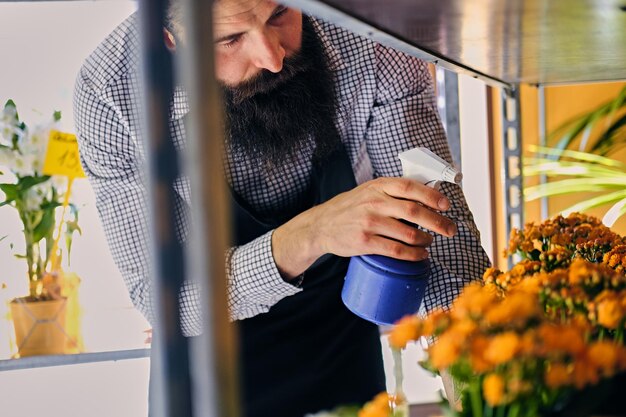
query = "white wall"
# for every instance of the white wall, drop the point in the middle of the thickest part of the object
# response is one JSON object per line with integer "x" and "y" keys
{"x": 42, "y": 46}
{"x": 477, "y": 181}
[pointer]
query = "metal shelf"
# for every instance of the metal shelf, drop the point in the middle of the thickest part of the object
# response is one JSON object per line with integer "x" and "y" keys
{"x": 502, "y": 42}
{"x": 75, "y": 359}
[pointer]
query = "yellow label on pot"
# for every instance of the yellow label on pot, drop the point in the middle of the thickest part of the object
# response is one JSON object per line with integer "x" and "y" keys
{"x": 62, "y": 156}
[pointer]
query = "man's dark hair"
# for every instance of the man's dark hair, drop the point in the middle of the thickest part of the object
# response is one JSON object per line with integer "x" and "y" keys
{"x": 174, "y": 19}
{"x": 275, "y": 116}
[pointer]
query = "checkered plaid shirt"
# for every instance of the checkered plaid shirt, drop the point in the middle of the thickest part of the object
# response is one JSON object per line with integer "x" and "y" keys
{"x": 386, "y": 107}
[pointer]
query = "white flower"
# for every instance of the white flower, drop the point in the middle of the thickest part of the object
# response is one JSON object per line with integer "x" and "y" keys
{"x": 22, "y": 165}
{"x": 36, "y": 142}
{"x": 9, "y": 114}
{"x": 33, "y": 199}
{"x": 7, "y": 131}
{"x": 36, "y": 195}
{"x": 59, "y": 182}
{"x": 5, "y": 157}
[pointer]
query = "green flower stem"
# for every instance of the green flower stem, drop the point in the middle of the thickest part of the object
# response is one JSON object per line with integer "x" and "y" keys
{"x": 477, "y": 409}
{"x": 33, "y": 258}
{"x": 514, "y": 410}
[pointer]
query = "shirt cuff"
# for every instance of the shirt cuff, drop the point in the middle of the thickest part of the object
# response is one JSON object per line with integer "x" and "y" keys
{"x": 255, "y": 280}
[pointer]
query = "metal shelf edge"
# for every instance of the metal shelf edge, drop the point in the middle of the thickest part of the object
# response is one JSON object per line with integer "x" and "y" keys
{"x": 73, "y": 359}
{"x": 358, "y": 26}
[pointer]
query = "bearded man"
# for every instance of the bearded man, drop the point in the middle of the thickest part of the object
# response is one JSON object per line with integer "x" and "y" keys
{"x": 315, "y": 119}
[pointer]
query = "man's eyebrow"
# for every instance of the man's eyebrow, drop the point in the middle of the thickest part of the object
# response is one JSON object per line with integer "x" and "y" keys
{"x": 236, "y": 35}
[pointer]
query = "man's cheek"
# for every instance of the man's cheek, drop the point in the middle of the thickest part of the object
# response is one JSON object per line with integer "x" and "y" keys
{"x": 226, "y": 70}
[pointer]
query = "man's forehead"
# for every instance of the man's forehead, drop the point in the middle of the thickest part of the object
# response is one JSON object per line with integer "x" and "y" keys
{"x": 238, "y": 11}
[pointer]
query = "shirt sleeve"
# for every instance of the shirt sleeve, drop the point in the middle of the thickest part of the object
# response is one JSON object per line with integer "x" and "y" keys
{"x": 254, "y": 283}
{"x": 110, "y": 159}
{"x": 113, "y": 159}
{"x": 404, "y": 116}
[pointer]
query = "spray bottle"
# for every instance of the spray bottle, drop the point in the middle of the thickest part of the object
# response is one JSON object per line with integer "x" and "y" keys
{"x": 382, "y": 289}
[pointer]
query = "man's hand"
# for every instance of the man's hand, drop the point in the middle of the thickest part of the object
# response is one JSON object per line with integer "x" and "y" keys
{"x": 365, "y": 220}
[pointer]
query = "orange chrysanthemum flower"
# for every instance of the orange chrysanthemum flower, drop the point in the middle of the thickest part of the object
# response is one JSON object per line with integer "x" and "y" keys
{"x": 502, "y": 348}
{"x": 557, "y": 375}
{"x": 404, "y": 331}
{"x": 493, "y": 389}
{"x": 378, "y": 407}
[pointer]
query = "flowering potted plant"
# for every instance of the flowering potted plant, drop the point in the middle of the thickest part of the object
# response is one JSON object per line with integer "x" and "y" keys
{"x": 545, "y": 338}
{"x": 35, "y": 197}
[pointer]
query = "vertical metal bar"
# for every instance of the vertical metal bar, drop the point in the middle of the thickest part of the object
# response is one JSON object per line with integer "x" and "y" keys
{"x": 542, "y": 142}
{"x": 214, "y": 352}
{"x": 170, "y": 393}
{"x": 512, "y": 161}
{"x": 448, "y": 105}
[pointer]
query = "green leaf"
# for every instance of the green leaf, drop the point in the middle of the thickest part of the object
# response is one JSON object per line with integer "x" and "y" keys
{"x": 610, "y": 139}
{"x": 581, "y": 156}
{"x": 596, "y": 202}
{"x": 11, "y": 192}
{"x": 45, "y": 226}
{"x": 591, "y": 123}
{"x": 552, "y": 169}
{"x": 552, "y": 189}
{"x": 569, "y": 136}
{"x": 10, "y": 103}
{"x": 565, "y": 134}
{"x": 614, "y": 213}
{"x": 24, "y": 183}
{"x": 50, "y": 205}
{"x": 56, "y": 116}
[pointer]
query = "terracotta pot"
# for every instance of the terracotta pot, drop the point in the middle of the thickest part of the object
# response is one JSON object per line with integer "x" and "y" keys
{"x": 39, "y": 326}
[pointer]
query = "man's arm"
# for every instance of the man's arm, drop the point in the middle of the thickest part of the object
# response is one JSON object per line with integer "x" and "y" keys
{"x": 112, "y": 158}
{"x": 403, "y": 117}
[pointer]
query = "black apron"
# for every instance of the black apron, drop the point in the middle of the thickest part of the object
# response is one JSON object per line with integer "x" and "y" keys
{"x": 309, "y": 352}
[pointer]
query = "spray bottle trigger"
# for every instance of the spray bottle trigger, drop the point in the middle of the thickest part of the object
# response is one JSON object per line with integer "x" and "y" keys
{"x": 434, "y": 184}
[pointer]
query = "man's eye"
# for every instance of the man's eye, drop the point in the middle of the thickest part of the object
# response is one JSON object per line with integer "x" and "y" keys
{"x": 280, "y": 12}
{"x": 231, "y": 42}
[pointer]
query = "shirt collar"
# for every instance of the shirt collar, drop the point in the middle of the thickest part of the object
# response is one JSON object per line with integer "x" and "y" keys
{"x": 180, "y": 106}
{"x": 335, "y": 63}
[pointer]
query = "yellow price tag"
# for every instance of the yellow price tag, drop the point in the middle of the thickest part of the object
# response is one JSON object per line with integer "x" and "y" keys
{"x": 62, "y": 156}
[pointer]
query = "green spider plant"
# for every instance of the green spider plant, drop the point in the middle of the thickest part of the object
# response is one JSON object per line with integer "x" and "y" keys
{"x": 579, "y": 172}
{"x": 609, "y": 116}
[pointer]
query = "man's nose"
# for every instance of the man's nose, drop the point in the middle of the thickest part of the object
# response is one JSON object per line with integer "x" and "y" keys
{"x": 269, "y": 52}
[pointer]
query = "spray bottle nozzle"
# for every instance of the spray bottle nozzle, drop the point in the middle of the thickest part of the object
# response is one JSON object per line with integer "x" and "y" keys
{"x": 423, "y": 165}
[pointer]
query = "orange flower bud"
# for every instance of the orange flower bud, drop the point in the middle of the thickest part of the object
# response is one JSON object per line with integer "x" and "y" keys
{"x": 502, "y": 348}
{"x": 405, "y": 330}
{"x": 610, "y": 313}
{"x": 477, "y": 351}
{"x": 585, "y": 373}
{"x": 493, "y": 389}
{"x": 557, "y": 376}
{"x": 378, "y": 407}
{"x": 444, "y": 352}
{"x": 434, "y": 322}
{"x": 604, "y": 355}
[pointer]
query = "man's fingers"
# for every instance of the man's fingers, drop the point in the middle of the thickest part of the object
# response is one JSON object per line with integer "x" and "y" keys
{"x": 397, "y": 230}
{"x": 380, "y": 245}
{"x": 408, "y": 189}
{"x": 429, "y": 219}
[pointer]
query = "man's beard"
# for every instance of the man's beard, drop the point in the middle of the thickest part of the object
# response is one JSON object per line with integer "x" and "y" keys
{"x": 273, "y": 117}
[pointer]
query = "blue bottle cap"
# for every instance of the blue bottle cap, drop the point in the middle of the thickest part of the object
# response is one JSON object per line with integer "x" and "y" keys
{"x": 397, "y": 266}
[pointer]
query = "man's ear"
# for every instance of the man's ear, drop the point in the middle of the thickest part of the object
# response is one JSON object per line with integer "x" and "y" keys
{"x": 170, "y": 42}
